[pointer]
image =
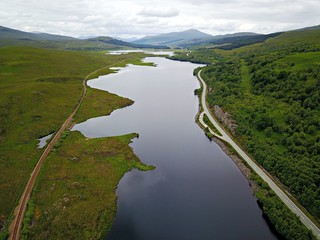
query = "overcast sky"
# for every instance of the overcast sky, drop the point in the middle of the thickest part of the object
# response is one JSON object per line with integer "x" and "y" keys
{"x": 123, "y": 18}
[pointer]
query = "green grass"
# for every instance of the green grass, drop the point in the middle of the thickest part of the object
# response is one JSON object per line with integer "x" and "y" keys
{"x": 39, "y": 88}
{"x": 98, "y": 103}
{"x": 272, "y": 91}
{"x": 210, "y": 125}
{"x": 296, "y": 37}
{"x": 302, "y": 60}
{"x": 66, "y": 44}
{"x": 75, "y": 194}
{"x": 246, "y": 79}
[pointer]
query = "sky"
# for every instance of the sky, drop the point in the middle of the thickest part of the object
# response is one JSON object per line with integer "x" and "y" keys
{"x": 138, "y": 18}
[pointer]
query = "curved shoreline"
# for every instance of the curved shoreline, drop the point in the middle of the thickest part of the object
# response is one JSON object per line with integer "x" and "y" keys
{"x": 263, "y": 174}
{"x": 19, "y": 212}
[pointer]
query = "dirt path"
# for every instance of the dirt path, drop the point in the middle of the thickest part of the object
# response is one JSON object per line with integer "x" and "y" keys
{"x": 15, "y": 227}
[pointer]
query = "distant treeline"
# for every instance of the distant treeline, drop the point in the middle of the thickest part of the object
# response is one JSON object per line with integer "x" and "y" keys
{"x": 233, "y": 42}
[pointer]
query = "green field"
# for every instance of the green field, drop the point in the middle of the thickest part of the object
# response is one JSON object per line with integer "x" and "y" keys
{"x": 210, "y": 125}
{"x": 272, "y": 90}
{"x": 99, "y": 103}
{"x": 75, "y": 194}
{"x": 67, "y": 45}
{"x": 39, "y": 89}
{"x": 301, "y": 60}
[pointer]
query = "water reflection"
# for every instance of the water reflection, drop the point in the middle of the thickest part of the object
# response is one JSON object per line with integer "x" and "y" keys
{"x": 196, "y": 191}
{"x": 119, "y": 52}
{"x": 43, "y": 141}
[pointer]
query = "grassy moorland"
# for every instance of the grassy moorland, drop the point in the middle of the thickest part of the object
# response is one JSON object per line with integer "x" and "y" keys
{"x": 39, "y": 89}
{"x": 99, "y": 103}
{"x": 272, "y": 90}
{"x": 75, "y": 194}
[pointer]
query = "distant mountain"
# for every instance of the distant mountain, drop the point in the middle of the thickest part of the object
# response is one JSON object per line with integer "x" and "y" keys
{"x": 229, "y": 41}
{"x": 53, "y": 37}
{"x": 132, "y": 39}
{"x": 9, "y": 33}
{"x": 217, "y": 39}
{"x": 113, "y": 41}
{"x": 12, "y": 37}
{"x": 239, "y": 41}
{"x": 185, "y": 39}
{"x": 309, "y": 28}
{"x": 231, "y": 35}
{"x": 173, "y": 38}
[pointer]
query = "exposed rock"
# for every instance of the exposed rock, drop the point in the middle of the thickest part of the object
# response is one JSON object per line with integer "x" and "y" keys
{"x": 225, "y": 118}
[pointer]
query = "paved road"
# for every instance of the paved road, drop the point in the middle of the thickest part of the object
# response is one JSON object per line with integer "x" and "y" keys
{"x": 210, "y": 130}
{"x": 15, "y": 227}
{"x": 262, "y": 173}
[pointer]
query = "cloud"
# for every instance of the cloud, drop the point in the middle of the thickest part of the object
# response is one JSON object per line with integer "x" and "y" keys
{"x": 93, "y": 18}
{"x": 158, "y": 12}
{"x": 135, "y": 18}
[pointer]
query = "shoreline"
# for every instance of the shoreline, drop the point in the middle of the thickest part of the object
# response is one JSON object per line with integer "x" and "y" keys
{"x": 267, "y": 195}
{"x": 246, "y": 172}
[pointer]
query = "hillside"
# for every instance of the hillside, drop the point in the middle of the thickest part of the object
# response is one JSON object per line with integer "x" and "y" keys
{"x": 272, "y": 90}
{"x": 192, "y": 38}
{"x": 173, "y": 38}
{"x": 8, "y": 33}
{"x": 230, "y": 41}
{"x": 11, "y": 37}
{"x": 117, "y": 42}
{"x": 39, "y": 89}
{"x": 309, "y": 28}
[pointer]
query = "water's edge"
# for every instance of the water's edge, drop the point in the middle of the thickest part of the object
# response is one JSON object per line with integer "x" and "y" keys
{"x": 188, "y": 165}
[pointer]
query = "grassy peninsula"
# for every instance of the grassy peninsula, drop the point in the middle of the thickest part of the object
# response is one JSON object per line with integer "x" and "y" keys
{"x": 39, "y": 89}
{"x": 75, "y": 195}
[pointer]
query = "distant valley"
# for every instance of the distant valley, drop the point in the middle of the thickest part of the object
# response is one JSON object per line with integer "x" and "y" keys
{"x": 12, "y": 37}
{"x": 175, "y": 40}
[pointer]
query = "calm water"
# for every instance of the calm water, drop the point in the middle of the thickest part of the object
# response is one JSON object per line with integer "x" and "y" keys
{"x": 196, "y": 191}
{"x": 43, "y": 141}
{"x": 119, "y": 52}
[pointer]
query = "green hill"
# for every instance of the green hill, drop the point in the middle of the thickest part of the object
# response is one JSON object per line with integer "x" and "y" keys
{"x": 298, "y": 38}
{"x": 112, "y": 41}
{"x": 272, "y": 91}
{"x": 39, "y": 88}
{"x": 193, "y": 37}
{"x": 11, "y": 37}
{"x": 173, "y": 38}
{"x": 8, "y": 33}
